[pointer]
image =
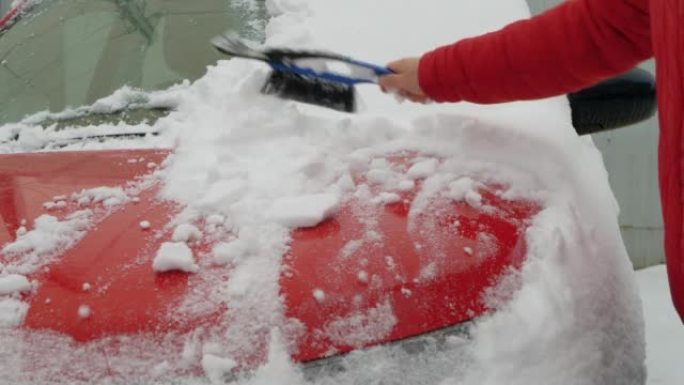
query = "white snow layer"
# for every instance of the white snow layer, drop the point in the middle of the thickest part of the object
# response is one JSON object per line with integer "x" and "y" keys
{"x": 305, "y": 210}
{"x": 14, "y": 283}
{"x": 252, "y": 166}
{"x": 174, "y": 256}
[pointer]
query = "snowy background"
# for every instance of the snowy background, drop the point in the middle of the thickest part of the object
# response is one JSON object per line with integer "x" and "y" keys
{"x": 242, "y": 161}
{"x": 664, "y": 331}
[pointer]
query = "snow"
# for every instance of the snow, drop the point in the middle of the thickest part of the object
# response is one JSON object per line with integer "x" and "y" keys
{"x": 186, "y": 232}
{"x": 84, "y": 311}
{"x": 14, "y": 283}
{"x": 48, "y": 238}
{"x": 12, "y": 312}
{"x": 217, "y": 368}
{"x": 363, "y": 327}
{"x": 319, "y": 295}
{"x": 231, "y": 252}
{"x": 174, "y": 256}
{"x": 664, "y": 330}
{"x": 253, "y": 167}
{"x": 423, "y": 169}
{"x": 108, "y": 196}
{"x": 304, "y": 211}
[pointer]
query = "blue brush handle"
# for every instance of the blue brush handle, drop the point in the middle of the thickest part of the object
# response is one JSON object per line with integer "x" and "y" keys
{"x": 378, "y": 70}
{"x": 335, "y": 77}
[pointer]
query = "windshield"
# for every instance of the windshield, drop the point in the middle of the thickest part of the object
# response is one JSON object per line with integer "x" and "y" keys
{"x": 63, "y": 53}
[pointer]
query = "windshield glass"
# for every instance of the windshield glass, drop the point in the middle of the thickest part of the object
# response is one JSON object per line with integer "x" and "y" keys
{"x": 63, "y": 53}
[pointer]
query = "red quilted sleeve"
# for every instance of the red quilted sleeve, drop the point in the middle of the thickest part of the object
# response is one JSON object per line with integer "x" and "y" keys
{"x": 567, "y": 48}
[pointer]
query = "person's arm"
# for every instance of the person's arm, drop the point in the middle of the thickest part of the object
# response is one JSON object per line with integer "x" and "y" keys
{"x": 569, "y": 47}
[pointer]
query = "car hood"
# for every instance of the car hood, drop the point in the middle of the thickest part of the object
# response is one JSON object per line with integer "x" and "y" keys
{"x": 430, "y": 271}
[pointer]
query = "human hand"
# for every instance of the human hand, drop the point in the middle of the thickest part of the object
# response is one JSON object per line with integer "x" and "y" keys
{"x": 404, "y": 80}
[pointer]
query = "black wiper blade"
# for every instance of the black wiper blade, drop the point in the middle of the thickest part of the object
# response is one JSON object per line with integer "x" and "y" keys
{"x": 57, "y": 143}
{"x": 61, "y": 143}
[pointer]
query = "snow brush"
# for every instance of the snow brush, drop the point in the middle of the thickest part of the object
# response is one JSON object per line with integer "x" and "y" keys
{"x": 304, "y": 76}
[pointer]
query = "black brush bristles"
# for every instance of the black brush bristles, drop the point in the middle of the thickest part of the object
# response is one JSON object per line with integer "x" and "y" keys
{"x": 311, "y": 90}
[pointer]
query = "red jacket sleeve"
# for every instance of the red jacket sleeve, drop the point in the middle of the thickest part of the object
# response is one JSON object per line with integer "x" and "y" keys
{"x": 567, "y": 48}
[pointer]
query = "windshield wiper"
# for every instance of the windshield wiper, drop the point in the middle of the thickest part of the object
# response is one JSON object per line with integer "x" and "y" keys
{"x": 13, "y": 15}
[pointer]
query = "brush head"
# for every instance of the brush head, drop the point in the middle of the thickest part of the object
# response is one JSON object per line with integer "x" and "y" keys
{"x": 291, "y": 80}
{"x": 311, "y": 90}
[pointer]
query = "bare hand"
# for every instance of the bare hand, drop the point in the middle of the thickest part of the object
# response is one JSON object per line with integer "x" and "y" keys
{"x": 404, "y": 81}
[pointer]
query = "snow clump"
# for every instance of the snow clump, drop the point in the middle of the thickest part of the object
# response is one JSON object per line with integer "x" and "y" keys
{"x": 174, "y": 256}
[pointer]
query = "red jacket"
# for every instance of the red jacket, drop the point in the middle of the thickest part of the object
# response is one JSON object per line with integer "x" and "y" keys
{"x": 570, "y": 47}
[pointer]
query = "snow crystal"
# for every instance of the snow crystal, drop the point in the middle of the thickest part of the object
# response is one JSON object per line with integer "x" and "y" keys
{"x": 304, "y": 211}
{"x": 160, "y": 369}
{"x": 222, "y": 193}
{"x": 319, "y": 295}
{"x": 381, "y": 177}
{"x": 186, "y": 232}
{"x": 350, "y": 248}
{"x": 406, "y": 185}
{"x": 216, "y": 368}
{"x": 346, "y": 183}
{"x": 48, "y": 237}
{"x": 363, "y": 327}
{"x": 14, "y": 283}
{"x": 84, "y": 311}
{"x": 230, "y": 252}
{"x": 174, "y": 256}
{"x": 278, "y": 368}
{"x": 390, "y": 262}
{"x": 474, "y": 199}
{"x": 145, "y": 225}
{"x": 459, "y": 189}
{"x": 86, "y": 286}
{"x": 422, "y": 169}
{"x": 54, "y": 205}
{"x": 216, "y": 219}
{"x": 108, "y": 196}
{"x": 21, "y": 231}
{"x": 428, "y": 272}
{"x": 31, "y": 138}
{"x": 362, "y": 276}
{"x": 12, "y": 312}
{"x": 386, "y": 197}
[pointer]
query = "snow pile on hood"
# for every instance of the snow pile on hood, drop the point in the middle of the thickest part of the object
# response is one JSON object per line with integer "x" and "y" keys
{"x": 253, "y": 167}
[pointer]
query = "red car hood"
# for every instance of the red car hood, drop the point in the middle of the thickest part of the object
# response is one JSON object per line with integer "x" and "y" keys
{"x": 428, "y": 278}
